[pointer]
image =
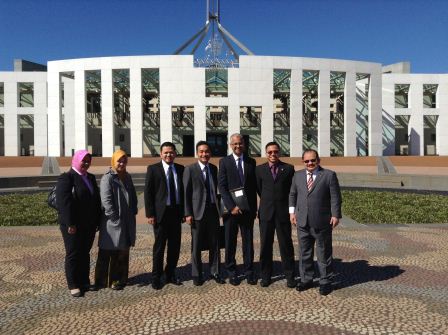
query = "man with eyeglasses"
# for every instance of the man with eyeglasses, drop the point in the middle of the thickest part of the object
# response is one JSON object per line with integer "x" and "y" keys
{"x": 273, "y": 184}
{"x": 315, "y": 208}
{"x": 238, "y": 189}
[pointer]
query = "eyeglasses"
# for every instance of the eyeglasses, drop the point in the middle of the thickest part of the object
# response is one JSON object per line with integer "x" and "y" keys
{"x": 272, "y": 152}
{"x": 314, "y": 160}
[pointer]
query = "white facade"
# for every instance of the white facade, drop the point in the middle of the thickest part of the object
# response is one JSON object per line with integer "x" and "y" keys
{"x": 183, "y": 84}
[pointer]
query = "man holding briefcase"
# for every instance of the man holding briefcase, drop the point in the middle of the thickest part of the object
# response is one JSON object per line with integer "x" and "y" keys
{"x": 238, "y": 188}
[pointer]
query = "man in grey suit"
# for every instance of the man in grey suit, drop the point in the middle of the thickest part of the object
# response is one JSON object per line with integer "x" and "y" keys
{"x": 315, "y": 208}
{"x": 202, "y": 213}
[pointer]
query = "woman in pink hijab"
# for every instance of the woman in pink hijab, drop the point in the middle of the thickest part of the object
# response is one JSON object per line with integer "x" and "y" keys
{"x": 79, "y": 213}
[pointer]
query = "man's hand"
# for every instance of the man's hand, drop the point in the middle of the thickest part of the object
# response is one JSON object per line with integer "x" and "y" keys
{"x": 236, "y": 211}
{"x": 71, "y": 230}
{"x": 151, "y": 220}
{"x": 334, "y": 221}
{"x": 293, "y": 219}
{"x": 189, "y": 220}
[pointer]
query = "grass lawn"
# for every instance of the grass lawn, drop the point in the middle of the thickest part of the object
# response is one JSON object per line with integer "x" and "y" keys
{"x": 363, "y": 206}
{"x": 394, "y": 207}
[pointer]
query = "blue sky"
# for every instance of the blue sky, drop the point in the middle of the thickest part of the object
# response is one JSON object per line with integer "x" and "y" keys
{"x": 383, "y": 31}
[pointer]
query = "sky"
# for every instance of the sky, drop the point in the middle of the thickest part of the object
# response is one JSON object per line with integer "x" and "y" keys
{"x": 382, "y": 31}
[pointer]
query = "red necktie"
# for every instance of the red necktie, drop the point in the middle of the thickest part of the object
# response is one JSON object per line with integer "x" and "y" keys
{"x": 310, "y": 181}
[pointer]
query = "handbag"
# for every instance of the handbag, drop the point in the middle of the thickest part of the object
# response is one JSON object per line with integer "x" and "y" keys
{"x": 51, "y": 198}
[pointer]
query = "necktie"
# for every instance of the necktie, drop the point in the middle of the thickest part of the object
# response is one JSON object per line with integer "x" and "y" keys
{"x": 172, "y": 186}
{"x": 310, "y": 181}
{"x": 274, "y": 171}
{"x": 208, "y": 198}
{"x": 240, "y": 170}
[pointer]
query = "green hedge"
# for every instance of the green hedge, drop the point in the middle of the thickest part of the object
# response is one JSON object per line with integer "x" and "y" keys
{"x": 26, "y": 210}
{"x": 362, "y": 206}
{"x": 394, "y": 207}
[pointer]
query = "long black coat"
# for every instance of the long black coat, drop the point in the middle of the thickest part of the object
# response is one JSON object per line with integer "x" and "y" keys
{"x": 79, "y": 208}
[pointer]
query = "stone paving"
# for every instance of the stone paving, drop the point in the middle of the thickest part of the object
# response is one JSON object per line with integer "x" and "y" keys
{"x": 391, "y": 280}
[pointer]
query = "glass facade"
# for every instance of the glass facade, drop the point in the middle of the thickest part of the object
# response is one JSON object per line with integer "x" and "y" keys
{"x": 429, "y": 95}
{"x": 25, "y": 94}
{"x": 337, "y": 96}
{"x": 402, "y": 95}
{"x": 151, "y": 112}
{"x": 282, "y": 95}
{"x": 362, "y": 114}
{"x": 122, "y": 115}
{"x": 26, "y": 133}
{"x": 402, "y": 135}
{"x": 216, "y": 82}
{"x": 217, "y": 123}
{"x": 2, "y": 135}
{"x": 2, "y": 94}
{"x": 310, "y": 108}
{"x": 430, "y": 134}
{"x": 93, "y": 111}
{"x": 250, "y": 128}
{"x": 183, "y": 130}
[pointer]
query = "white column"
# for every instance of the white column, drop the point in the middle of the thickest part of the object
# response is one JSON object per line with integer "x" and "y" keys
{"x": 375, "y": 114}
{"x": 40, "y": 118}
{"x": 416, "y": 129}
{"x": 54, "y": 111}
{"x": 135, "y": 100}
{"x": 233, "y": 112}
{"x": 442, "y": 123}
{"x": 350, "y": 114}
{"x": 11, "y": 120}
{"x": 415, "y": 133}
{"x": 69, "y": 116}
{"x": 200, "y": 122}
{"x": 323, "y": 127}
{"x": 80, "y": 110}
{"x": 295, "y": 114}
{"x": 107, "y": 113}
{"x": 267, "y": 110}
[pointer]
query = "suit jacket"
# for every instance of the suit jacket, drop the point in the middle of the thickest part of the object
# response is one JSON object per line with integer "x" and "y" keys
{"x": 78, "y": 208}
{"x": 156, "y": 191}
{"x": 321, "y": 203}
{"x": 195, "y": 191}
{"x": 229, "y": 179}
{"x": 274, "y": 195}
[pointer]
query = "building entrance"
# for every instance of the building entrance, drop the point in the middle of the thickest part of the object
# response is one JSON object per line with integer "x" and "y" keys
{"x": 218, "y": 144}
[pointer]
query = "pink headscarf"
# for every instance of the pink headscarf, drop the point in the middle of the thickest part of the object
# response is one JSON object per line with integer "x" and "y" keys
{"x": 77, "y": 159}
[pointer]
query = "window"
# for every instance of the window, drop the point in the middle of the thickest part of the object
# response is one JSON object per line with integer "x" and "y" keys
{"x": 429, "y": 95}
{"x": 25, "y": 94}
{"x": 2, "y": 94}
{"x": 216, "y": 83}
{"x": 402, "y": 95}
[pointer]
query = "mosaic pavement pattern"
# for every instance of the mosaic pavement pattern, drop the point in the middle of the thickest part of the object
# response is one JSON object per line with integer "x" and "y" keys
{"x": 391, "y": 280}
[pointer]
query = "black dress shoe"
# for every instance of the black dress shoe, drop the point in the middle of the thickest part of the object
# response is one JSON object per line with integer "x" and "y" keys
{"x": 174, "y": 281}
{"x": 88, "y": 288}
{"x": 217, "y": 278}
{"x": 265, "y": 282}
{"x": 325, "y": 289}
{"x": 156, "y": 284}
{"x": 234, "y": 281}
{"x": 304, "y": 286}
{"x": 251, "y": 280}
{"x": 198, "y": 281}
{"x": 291, "y": 283}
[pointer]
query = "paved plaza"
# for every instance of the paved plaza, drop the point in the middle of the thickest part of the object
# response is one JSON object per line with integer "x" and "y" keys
{"x": 391, "y": 280}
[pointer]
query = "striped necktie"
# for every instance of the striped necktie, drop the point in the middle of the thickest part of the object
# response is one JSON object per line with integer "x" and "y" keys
{"x": 310, "y": 181}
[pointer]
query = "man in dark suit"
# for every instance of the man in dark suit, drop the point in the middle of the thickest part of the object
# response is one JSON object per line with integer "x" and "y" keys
{"x": 315, "y": 207}
{"x": 273, "y": 184}
{"x": 164, "y": 205}
{"x": 237, "y": 182}
{"x": 202, "y": 213}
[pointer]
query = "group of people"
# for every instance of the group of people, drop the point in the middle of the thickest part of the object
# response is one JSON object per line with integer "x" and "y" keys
{"x": 199, "y": 195}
